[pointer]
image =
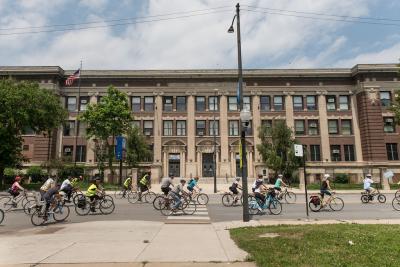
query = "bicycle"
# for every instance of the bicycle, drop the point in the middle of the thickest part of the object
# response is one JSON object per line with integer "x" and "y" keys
{"x": 76, "y": 193}
{"x": 289, "y": 196}
{"x": 60, "y": 212}
{"x": 187, "y": 206}
{"x": 9, "y": 202}
{"x": 1, "y": 216}
{"x": 105, "y": 204}
{"x": 123, "y": 193}
{"x": 316, "y": 202}
{"x": 271, "y": 203}
{"x": 396, "y": 203}
{"x": 201, "y": 198}
{"x": 148, "y": 196}
{"x": 229, "y": 199}
{"x": 397, "y": 193}
{"x": 366, "y": 196}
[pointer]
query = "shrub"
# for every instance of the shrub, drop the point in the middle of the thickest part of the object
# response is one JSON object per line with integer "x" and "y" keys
{"x": 36, "y": 173}
{"x": 9, "y": 175}
{"x": 341, "y": 178}
{"x": 71, "y": 170}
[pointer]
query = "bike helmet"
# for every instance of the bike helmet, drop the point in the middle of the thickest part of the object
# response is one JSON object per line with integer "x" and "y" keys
{"x": 183, "y": 181}
{"x": 237, "y": 179}
{"x": 18, "y": 178}
{"x": 326, "y": 176}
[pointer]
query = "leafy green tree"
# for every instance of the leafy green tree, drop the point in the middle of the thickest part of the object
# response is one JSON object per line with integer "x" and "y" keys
{"x": 24, "y": 105}
{"x": 35, "y": 172}
{"x": 106, "y": 120}
{"x": 395, "y": 107}
{"x": 137, "y": 149}
{"x": 277, "y": 149}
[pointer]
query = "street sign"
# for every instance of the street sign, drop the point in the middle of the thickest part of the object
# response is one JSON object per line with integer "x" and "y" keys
{"x": 298, "y": 150}
{"x": 119, "y": 147}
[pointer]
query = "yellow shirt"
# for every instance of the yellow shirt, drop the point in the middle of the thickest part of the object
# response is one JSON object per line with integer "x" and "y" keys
{"x": 91, "y": 190}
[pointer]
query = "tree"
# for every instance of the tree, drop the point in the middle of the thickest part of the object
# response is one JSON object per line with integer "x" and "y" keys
{"x": 277, "y": 149}
{"x": 137, "y": 149}
{"x": 108, "y": 118}
{"x": 395, "y": 106}
{"x": 24, "y": 105}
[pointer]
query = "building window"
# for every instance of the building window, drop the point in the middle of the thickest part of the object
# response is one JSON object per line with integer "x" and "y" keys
{"x": 148, "y": 128}
{"x": 82, "y": 128}
{"x": 181, "y": 103}
{"x": 200, "y": 103}
{"x": 80, "y": 154}
{"x": 265, "y": 103}
{"x": 68, "y": 151}
{"x": 200, "y": 128}
{"x": 213, "y": 103}
{"x": 344, "y": 102}
{"x": 84, "y": 101}
{"x": 135, "y": 124}
{"x": 311, "y": 102}
{"x": 168, "y": 103}
{"x": 148, "y": 103}
{"x": 181, "y": 128}
{"x": 346, "y": 128}
{"x": 136, "y": 104}
{"x": 335, "y": 153}
{"x": 392, "y": 153}
{"x": 167, "y": 126}
{"x": 71, "y": 103}
{"x": 213, "y": 127}
{"x": 69, "y": 128}
{"x": 385, "y": 98}
{"x": 278, "y": 103}
{"x": 313, "y": 128}
{"x": 349, "y": 153}
{"x": 249, "y": 130}
{"x": 388, "y": 125}
{"x": 25, "y": 147}
{"x": 333, "y": 127}
{"x": 246, "y": 103}
{"x": 298, "y": 102}
{"x": 232, "y": 105}
{"x": 315, "y": 153}
{"x": 330, "y": 102}
{"x": 267, "y": 124}
{"x": 299, "y": 127}
{"x": 233, "y": 128}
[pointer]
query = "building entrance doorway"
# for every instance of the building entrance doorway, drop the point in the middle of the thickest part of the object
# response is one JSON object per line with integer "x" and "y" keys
{"x": 174, "y": 165}
{"x": 208, "y": 164}
{"x": 238, "y": 169}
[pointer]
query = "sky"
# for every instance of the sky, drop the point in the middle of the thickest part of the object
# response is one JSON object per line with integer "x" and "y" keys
{"x": 192, "y": 34}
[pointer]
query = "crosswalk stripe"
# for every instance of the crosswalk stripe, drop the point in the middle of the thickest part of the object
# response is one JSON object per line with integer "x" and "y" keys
{"x": 188, "y": 218}
{"x": 200, "y": 215}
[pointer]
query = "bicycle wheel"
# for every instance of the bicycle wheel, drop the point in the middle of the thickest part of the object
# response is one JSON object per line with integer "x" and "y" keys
{"x": 190, "y": 208}
{"x": 77, "y": 196}
{"x": 253, "y": 208}
{"x": 1, "y": 216}
{"x": 37, "y": 218}
{"x": 397, "y": 194}
{"x": 275, "y": 207}
{"x": 159, "y": 202}
{"x": 61, "y": 213}
{"x": 336, "y": 204}
{"x": 29, "y": 207}
{"x": 290, "y": 198}
{"x": 381, "y": 198}
{"x": 364, "y": 199}
{"x": 6, "y": 203}
{"x": 202, "y": 199}
{"x": 83, "y": 206}
{"x": 396, "y": 203}
{"x": 167, "y": 208}
{"x": 119, "y": 194}
{"x": 314, "y": 205}
{"x": 133, "y": 197}
{"x": 149, "y": 197}
{"x": 25, "y": 200}
{"x": 227, "y": 200}
{"x": 106, "y": 206}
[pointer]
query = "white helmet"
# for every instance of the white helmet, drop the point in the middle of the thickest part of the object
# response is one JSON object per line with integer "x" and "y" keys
{"x": 326, "y": 176}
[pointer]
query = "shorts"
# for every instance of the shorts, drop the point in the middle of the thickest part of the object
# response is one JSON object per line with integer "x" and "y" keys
{"x": 325, "y": 191}
{"x": 94, "y": 197}
{"x": 190, "y": 188}
{"x": 165, "y": 190}
{"x": 127, "y": 187}
{"x": 14, "y": 193}
{"x": 233, "y": 190}
{"x": 143, "y": 188}
{"x": 278, "y": 189}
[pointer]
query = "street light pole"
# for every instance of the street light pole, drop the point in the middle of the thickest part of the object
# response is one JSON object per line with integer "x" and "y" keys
{"x": 243, "y": 124}
{"x": 215, "y": 143}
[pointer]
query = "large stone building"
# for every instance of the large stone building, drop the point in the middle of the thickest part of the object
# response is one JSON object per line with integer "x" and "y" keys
{"x": 340, "y": 114}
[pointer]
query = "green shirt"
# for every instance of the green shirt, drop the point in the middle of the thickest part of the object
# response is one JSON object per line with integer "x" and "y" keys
{"x": 91, "y": 190}
{"x": 74, "y": 182}
{"x": 144, "y": 180}
{"x": 278, "y": 183}
{"x": 128, "y": 182}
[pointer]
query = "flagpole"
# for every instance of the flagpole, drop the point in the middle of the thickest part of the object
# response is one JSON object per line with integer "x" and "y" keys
{"x": 77, "y": 122}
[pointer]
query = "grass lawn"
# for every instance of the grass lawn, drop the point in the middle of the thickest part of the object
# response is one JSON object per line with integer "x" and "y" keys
{"x": 321, "y": 245}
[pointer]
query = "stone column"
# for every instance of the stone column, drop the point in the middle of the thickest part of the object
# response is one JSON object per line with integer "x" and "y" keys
{"x": 233, "y": 164}
{"x": 165, "y": 164}
{"x": 289, "y": 110}
{"x": 323, "y": 126}
{"x": 356, "y": 128}
{"x": 183, "y": 163}
{"x": 256, "y": 125}
{"x": 191, "y": 166}
{"x": 157, "y": 127}
{"x": 250, "y": 164}
{"x": 225, "y": 169}
{"x": 90, "y": 144}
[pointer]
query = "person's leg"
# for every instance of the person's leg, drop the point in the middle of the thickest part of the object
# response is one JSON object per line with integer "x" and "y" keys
{"x": 177, "y": 200}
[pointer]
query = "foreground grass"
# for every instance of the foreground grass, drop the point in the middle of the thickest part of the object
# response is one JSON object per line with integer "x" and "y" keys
{"x": 321, "y": 245}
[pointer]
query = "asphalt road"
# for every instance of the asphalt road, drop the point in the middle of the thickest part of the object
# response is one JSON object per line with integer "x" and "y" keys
{"x": 16, "y": 221}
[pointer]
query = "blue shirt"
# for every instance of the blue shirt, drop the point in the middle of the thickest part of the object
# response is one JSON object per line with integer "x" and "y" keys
{"x": 192, "y": 183}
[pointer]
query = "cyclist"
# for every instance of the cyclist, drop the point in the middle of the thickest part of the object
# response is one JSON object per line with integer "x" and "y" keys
{"x": 49, "y": 196}
{"x": 176, "y": 194}
{"x": 259, "y": 192}
{"x": 234, "y": 189}
{"x": 367, "y": 184}
{"x": 75, "y": 181}
{"x": 144, "y": 184}
{"x": 166, "y": 183}
{"x": 66, "y": 187}
{"x": 15, "y": 188}
{"x": 257, "y": 181}
{"x": 279, "y": 181}
{"x": 46, "y": 186}
{"x": 192, "y": 184}
{"x": 127, "y": 185}
{"x": 91, "y": 193}
{"x": 325, "y": 188}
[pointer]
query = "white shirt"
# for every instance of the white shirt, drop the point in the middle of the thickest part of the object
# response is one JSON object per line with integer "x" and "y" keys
{"x": 255, "y": 183}
{"x": 47, "y": 185}
{"x": 367, "y": 183}
{"x": 65, "y": 183}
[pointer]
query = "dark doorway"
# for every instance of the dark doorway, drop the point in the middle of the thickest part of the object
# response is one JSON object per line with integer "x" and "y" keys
{"x": 238, "y": 169}
{"x": 208, "y": 164}
{"x": 174, "y": 165}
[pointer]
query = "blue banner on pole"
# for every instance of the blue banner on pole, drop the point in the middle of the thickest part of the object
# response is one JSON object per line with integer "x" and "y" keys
{"x": 120, "y": 147}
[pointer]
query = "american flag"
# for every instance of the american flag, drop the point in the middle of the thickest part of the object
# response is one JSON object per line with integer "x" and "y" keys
{"x": 70, "y": 80}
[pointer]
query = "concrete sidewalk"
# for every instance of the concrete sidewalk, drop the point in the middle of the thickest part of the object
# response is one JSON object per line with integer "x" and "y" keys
{"x": 118, "y": 242}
